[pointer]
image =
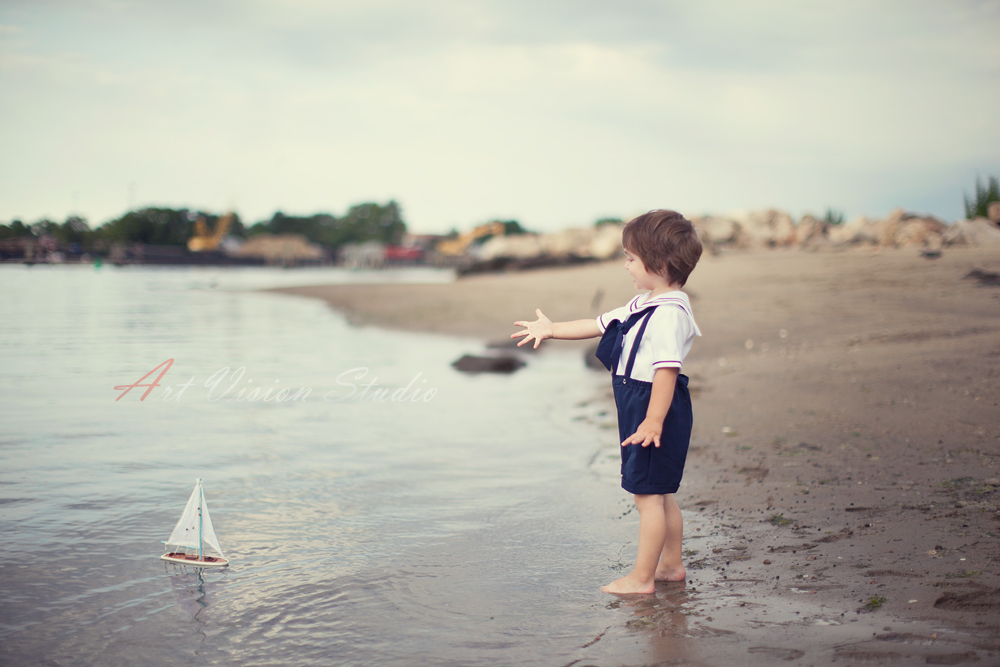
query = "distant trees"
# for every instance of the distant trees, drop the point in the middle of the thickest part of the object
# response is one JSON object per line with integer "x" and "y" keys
{"x": 155, "y": 226}
{"x": 833, "y": 216}
{"x": 173, "y": 227}
{"x": 511, "y": 227}
{"x": 363, "y": 222}
{"x": 13, "y": 230}
{"x": 74, "y": 230}
{"x": 160, "y": 226}
{"x": 977, "y": 207}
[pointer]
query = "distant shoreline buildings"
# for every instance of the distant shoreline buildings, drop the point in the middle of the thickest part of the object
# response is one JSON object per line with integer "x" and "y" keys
{"x": 372, "y": 236}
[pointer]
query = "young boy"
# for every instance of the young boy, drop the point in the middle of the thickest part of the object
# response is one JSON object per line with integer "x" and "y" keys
{"x": 644, "y": 344}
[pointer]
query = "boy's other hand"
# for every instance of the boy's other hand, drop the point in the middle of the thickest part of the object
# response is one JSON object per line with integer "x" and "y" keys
{"x": 648, "y": 432}
{"x": 538, "y": 330}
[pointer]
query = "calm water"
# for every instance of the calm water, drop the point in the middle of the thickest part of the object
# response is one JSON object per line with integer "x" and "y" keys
{"x": 468, "y": 528}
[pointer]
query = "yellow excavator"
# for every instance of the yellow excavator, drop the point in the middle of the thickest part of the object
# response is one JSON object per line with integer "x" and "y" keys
{"x": 458, "y": 246}
{"x": 203, "y": 240}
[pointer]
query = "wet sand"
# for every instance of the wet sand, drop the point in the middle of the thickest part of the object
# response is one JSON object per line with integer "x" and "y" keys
{"x": 843, "y": 485}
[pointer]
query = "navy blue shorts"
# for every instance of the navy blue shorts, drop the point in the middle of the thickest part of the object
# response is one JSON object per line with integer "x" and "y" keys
{"x": 652, "y": 469}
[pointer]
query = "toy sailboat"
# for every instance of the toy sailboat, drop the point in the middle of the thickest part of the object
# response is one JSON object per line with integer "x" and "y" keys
{"x": 194, "y": 532}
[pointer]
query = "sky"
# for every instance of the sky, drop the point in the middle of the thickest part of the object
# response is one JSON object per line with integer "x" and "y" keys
{"x": 553, "y": 113}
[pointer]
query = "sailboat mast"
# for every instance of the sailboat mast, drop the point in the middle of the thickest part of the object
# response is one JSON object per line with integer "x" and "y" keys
{"x": 201, "y": 503}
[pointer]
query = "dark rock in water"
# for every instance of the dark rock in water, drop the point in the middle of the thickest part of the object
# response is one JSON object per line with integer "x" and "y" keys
{"x": 471, "y": 364}
{"x": 984, "y": 277}
{"x": 930, "y": 254}
{"x": 590, "y": 359}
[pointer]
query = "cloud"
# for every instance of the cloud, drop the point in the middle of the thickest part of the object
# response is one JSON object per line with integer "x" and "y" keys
{"x": 555, "y": 112}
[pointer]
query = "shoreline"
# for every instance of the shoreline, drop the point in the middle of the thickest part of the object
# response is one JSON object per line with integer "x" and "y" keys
{"x": 482, "y": 306}
{"x": 846, "y": 444}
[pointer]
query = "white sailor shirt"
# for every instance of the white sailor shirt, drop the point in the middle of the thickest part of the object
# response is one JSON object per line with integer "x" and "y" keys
{"x": 668, "y": 336}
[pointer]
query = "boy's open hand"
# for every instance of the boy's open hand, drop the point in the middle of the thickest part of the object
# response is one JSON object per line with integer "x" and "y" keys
{"x": 538, "y": 330}
{"x": 648, "y": 432}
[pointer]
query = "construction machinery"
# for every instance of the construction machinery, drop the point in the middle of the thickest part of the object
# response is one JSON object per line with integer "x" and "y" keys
{"x": 203, "y": 240}
{"x": 457, "y": 246}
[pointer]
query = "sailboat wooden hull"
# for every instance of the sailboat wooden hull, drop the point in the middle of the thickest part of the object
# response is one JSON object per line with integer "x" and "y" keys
{"x": 194, "y": 561}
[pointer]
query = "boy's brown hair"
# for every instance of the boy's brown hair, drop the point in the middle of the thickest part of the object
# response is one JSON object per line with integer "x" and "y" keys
{"x": 666, "y": 242}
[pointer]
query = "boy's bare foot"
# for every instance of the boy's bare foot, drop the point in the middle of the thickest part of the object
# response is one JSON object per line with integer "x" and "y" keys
{"x": 628, "y": 585}
{"x": 670, "y": 574}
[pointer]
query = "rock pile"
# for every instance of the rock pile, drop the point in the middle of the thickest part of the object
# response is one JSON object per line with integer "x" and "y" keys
{"x": 775, "y": 229}
{"x": 978, "y": 232}
{"x": 602, "y": 242}
{"x": 281, "y": 249}
{"x": 751, "y": 230}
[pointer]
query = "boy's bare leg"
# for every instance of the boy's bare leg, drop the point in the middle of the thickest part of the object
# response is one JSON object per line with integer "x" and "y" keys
{"x": 652, "y": 533}
{"x": 670, "y": 567}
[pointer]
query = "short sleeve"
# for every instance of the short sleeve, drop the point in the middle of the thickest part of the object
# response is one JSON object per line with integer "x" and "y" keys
{"x": 621, "y": 314}
{"x": 672, "y": 335}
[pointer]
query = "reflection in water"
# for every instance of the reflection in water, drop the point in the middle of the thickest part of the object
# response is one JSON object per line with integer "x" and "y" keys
{"x": 194, "y": 593}
{"x": 663, "y": 618}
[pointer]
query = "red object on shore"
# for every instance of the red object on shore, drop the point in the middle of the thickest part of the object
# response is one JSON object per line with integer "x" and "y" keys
{"x": 403, "y": 253}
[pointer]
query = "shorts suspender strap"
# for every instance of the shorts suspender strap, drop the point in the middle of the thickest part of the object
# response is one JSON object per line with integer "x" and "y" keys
{"x": 635, "y": 343}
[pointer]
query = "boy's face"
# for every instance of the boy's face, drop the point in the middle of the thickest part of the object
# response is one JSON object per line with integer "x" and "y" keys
{"x": 641, "y": 278}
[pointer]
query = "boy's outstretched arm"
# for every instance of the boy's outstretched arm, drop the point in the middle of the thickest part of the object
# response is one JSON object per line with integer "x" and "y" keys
{"x": 543, "y": 328}
{"x": 660, "y": 398}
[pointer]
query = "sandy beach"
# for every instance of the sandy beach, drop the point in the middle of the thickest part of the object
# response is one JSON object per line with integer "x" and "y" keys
{"x": 846, "y": 450}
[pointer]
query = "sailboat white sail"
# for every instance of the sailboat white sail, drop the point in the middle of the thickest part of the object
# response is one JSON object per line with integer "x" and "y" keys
{"x": 193, "y": 540}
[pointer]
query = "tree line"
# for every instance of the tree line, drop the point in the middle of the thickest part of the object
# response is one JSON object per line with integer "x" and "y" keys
{"x": 173, "y": 227}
